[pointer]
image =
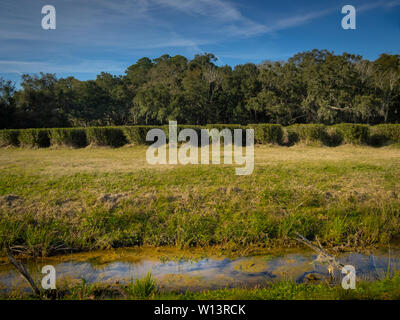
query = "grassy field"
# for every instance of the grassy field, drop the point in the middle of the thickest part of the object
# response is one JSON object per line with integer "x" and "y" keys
{"x": 95, "y": 198}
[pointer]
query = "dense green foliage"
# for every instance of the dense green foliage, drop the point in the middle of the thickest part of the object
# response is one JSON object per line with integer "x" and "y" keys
{"x": 34, "y": 138}
{"x": 106, "y": 136}
{"x": 317, "y": 134}
{"x": 308, "y": 133}
{"x": 136, "y": 135}
{"x": 354, "y": 133}
{"x": 9, "y": 138}
{"x": 71, "y": 137}
{"x": 386, "y": 133}
{"x": 267, "y": 133}
{"x": 143, "y": 288}
{"x": 311, "y": 87}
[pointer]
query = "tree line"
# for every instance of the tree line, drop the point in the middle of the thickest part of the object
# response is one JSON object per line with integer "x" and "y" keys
{"x": 316, "y": 86}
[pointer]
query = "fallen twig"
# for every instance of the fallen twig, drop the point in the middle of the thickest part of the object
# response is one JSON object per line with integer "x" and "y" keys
{"x": 323, "y": 255}
{"x": 22, "y": 270}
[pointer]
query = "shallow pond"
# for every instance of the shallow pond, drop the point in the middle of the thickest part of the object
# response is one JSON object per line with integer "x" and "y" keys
{"x": 201, "y": 272}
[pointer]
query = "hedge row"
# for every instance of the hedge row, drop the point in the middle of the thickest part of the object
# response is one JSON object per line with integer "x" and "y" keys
{"x": 34, "y": 138}
{"x": 353, "y": 133}
{"x": 329, "y": 135}
{"x": 385, "y": 133}
{"x": 267, "y": 133}
{"x": 9, "y": 138}
{"x": 263, "y": 133}
{"x": 306, "y": 133}
{"x": 71, "y": 137}
{"x": 106, "y": 136}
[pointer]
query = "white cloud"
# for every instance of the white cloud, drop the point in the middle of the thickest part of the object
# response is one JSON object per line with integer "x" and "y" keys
{"x": 130, "y": 27}
{"x": 89, "y": 66}
{"x": 378, "y": 4}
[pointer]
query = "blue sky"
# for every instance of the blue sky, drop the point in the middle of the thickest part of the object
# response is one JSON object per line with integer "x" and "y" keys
{"x": 109, "y": 35}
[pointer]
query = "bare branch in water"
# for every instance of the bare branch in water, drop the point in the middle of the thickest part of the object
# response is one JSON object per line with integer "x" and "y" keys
{"x": 22, "y": 270}
{"x": 323, "y": 255}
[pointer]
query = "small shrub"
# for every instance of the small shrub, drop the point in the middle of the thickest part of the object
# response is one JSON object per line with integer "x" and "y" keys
{"x": 106, "y": 136}
{"x": 9, "y": 137}
{"x": 353, "y": 133}
{"x": 290, "y": 137}
{"x": 333, "y": 137}
{"x": 267, "y": 133}
{"x": 142, "y": 288}
{"x": 136, "y": 135}
{"x": 385, "y": 133}
{"x": 273, "y": 133}
{"x": 34, "y": 138}
{"x": 71, "y": 137}
{"x": 377, "y": 140}
{"x": 309, "y": 133}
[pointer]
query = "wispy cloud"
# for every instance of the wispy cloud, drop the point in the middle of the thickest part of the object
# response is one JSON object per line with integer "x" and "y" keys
{"x": 298, "y": 20}
{"x": 378, "y": 4}
{"x": 104, "y": 29}
{"x": 88, "y": 66}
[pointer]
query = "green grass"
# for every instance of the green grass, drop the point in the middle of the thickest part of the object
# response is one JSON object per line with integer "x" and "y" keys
{"x": 387, "y": 289}
{"x": 142, "y": 288}
{"x": 288, "y": 290}
{"x": 95, "y": 198}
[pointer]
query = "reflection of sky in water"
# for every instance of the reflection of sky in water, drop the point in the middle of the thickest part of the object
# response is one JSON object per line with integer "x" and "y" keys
{"x": 213, "y": 273}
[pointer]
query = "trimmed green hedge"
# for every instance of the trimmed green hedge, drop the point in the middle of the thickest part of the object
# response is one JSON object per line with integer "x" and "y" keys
{"x": 196, "y": 128}
{"x": 353, "y": 133}
{"x": 106, "y": 136}
{"x": 330, "y": 135}
{"x": 9, "y": 137}
{"x": 221, "y": 126}
{"x": 333, "y": 137}
{"x": 267, "y": 133}
{"x": 34, "y": 138}
{"x": 136, "y": 135}
{"x": 71, "y": 137}
{"x": 308, "y": 133}
{"x": 263, "y": 134}
{"x": 385, "y": 133}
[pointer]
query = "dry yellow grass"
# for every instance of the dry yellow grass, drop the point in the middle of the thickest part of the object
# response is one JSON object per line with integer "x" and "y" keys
{"x": 69, "y": 161}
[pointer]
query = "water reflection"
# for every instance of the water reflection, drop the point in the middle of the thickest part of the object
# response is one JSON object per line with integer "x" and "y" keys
{"x": 209, "y": 273}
